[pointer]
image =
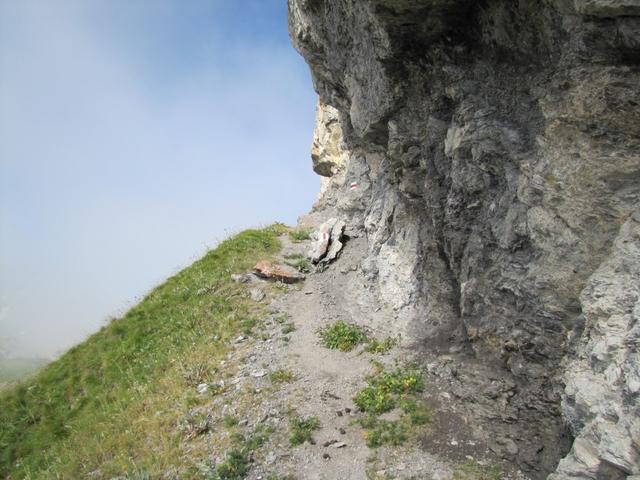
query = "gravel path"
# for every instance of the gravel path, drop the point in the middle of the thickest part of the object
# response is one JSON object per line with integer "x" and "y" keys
{"x": 326, "y": 381}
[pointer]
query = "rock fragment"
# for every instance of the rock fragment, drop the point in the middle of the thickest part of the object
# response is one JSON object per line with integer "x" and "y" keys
{"x": 328, "y": 242}
{"x": 202, "y": 388}
{"x": 257, "y": 295}
{"x": 321, "y": 245}
{"x": 241, "y": 277}
{"x": 273, "y": 271}
{"x": 337, "y": 233}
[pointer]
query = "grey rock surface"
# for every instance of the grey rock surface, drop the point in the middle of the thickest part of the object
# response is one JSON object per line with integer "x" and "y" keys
{"x": 489, "y": 154}
{"x": 322, "y": 239}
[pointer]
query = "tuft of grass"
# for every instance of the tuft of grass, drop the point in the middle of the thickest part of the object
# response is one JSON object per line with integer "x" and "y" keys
{"x": 235, "y": 466}
{"x": 382, "y": 348}
{"x": 288, "y": 328}
{"x": 302, "y": 429}
{"x": 384, "y": 389}
{"x": 195, "y": 423}
{"x": 342, "y": 336}
{"x": 383, "y": 432}
{"x": 281, "y": 317}
{"x": 418, "y": 412}
{"x": 299, "y": 235}
{"x": 238, "y": 460}
{"x": 229, "y": 421}
{"x": 196, "y": 373}
{"x": 299, "y": 262}
{"x": 471, "y": 470}
{"x": 282, "y": 376}
{"x": 110, "y": 404}
{"x": 277, "y": 229}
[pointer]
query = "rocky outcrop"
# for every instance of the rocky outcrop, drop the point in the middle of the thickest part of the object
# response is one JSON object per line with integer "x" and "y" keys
{"x": 490, "y": 154}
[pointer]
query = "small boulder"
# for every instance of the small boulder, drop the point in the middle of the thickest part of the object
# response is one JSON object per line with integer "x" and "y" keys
{"x": 272, "y": 271}
{"x": 257, "y": 295}
{"x": 328, "y": 242}
{"x": 337, "y": 232}
{"x": 321, "y": 245}
{"x": 241, "y": 277}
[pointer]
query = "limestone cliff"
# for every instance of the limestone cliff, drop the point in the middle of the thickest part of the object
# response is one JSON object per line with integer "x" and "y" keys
{"x": 489, "y": 152}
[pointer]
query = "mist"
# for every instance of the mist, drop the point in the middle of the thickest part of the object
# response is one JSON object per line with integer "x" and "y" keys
{"x": 135, "y": 135}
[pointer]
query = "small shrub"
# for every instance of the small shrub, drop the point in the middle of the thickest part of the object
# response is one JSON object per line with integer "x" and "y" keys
{"x": 235, "y": 467}
{"x": 299, "y": 235}
{"x": 299, "y": 262}
{"x": 288, "y": 328}
{"x": 384, "y": 432}
{"x": 138, "y": 475}
{"x": 342, "y": 336}
{"x": 282, "y": 376}
{"x": 247, "y": 325}
{"x": 376, "y": 346}
{"x": 302, "y": 265}
{"x": 196, "y": 374}
{"x": 374, "y": 400}
{"x": 382, "y": 392}
{"x": 302, "y": 429}
{"x": 194, "y": 424}
{"x": 419, "y": 413}
{"x": 238, "y": 461}
{"x": 277, "y": 229}
{"x": 471, "y": 470}
{"x": 229, "y": 421}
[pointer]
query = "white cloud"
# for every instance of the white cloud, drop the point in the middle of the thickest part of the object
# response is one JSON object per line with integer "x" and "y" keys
{"x": 111, "y": 178}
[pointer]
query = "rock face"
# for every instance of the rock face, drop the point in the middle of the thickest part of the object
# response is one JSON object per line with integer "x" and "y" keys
{"x": 490, "y": 154}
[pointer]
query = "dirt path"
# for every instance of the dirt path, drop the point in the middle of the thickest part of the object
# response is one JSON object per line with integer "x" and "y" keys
{"x": 329, "y": 379}
{"x": 325, "y": 381}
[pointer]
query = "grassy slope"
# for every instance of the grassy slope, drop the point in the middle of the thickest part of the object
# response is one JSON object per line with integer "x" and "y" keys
{"x": 110, "y": 405}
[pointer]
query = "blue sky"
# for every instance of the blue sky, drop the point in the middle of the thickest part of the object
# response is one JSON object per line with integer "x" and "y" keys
{"x": 134, "y": 135}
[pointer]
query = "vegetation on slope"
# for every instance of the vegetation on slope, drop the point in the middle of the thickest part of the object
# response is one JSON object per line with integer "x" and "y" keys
{"x": 110, "y": 405}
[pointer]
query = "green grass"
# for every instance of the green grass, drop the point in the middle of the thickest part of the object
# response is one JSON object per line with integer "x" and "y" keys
{"x": 289, "y": 327}
{"x": 471, "y": 470}
{"x": 229, "y": 421}
{"x": 299, "y": 235}
{"x": 381, "y": 347}
{"x": 385, "y": 389}
{"x": 342, "y": 336}
{"x": 111, "y": 405}
{"x": 282, "y": 376}
{"x": 302, "y": 429}
{"x": 238, "y": 460}
{"x": 194, "y": 424}
{"x": 300, "y": 263}
{"x": 384, "y": 432}
{"x": 418, "y": 412}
